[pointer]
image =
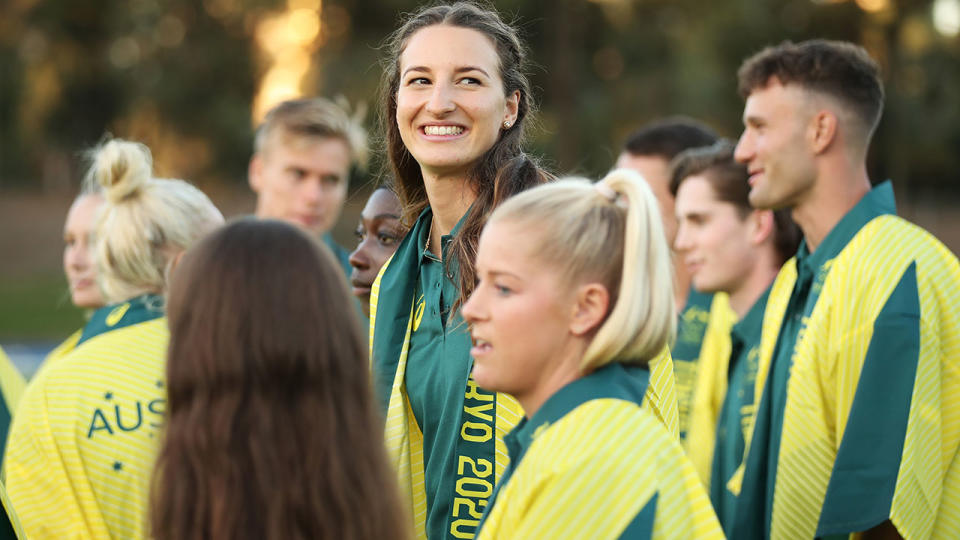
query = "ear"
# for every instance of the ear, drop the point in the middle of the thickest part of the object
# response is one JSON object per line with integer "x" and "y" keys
{"x": 172, "y": 268}
{"x": 590, "y": 308}
{"x": 513, "y": 107}
{"x": 761, "y": 226}
{"x": 823, "y": 130}
{"x": 254, "y": 170}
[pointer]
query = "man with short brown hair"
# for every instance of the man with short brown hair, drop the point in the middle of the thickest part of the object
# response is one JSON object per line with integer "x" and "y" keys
{"x": 858, "y": 389}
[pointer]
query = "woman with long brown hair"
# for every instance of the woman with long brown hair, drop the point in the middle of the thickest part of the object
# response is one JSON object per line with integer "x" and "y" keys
{"x": 455, "y": 105}
{"x": 454, "y": 108}
{"x": 271, "y": 431}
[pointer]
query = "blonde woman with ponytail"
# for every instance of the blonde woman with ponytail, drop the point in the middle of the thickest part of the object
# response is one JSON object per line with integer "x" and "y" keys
{"x": 82, "y": 447}
{"x": 574, "y": 302}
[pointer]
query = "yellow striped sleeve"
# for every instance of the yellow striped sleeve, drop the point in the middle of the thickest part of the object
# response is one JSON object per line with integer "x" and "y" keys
{"x": 661, "y": 394}
{"x": 592, "y": 473}
{"x": 12, "y": 383}
{"x": 710, "y": 387}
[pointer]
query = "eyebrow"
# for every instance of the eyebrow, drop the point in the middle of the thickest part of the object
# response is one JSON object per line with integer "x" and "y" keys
{"x": 496, "y": 273}
{"x": 463, "y": 69}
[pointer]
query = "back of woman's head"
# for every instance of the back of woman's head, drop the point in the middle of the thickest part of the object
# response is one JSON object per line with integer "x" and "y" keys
{"x": 608, "y": 233}
{"x": 504, "y": 169}
{"x": 144, "y": 221}
{"x": 271, "y": 431}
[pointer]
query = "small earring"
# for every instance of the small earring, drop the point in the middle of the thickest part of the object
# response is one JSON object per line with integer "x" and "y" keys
{"x": 506, "y": 124}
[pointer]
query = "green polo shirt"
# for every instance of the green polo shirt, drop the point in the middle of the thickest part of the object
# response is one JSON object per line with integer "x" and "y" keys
{"x": 439, "y": 363}
{"x": 755, "y": 504}
{"x": 736, "y": 410}
{"x": 691, "y": 327}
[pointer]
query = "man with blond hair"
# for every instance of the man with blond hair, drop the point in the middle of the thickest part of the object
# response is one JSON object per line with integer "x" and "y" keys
{"x": 304, "y": 152}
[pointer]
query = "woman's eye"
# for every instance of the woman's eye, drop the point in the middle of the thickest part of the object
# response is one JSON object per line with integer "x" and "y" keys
{"x": 470, "y": 80}
{"x": 418, "y": 81}
{"x": 387, "y": 239}
{"x": 359, "y": 234}
{"x": 503, "y": 291}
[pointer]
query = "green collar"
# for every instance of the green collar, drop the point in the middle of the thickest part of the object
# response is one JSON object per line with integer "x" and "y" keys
{"x": 143, "y": 308}
{"x": 397, "y": 285}
{"x": 614, "y": 380}
{"x": 879, "y": 201}
{"x": 748, "y": 328}
{"x": 426, "y": 217}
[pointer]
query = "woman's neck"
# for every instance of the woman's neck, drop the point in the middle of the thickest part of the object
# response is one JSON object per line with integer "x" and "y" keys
{"x": 450, "y": 198}
{"x": 563, "y": 371}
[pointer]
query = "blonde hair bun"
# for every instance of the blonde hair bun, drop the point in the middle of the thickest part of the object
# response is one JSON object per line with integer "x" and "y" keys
{"x": 121, "y": 168}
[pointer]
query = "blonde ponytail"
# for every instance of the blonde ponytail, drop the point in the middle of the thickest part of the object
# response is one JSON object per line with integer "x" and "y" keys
{"x": 610, "y": 232}
{"x": 643, "y": 319}
{"x": 144, "y": 222}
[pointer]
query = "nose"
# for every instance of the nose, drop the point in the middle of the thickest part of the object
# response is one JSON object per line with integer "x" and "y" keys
{"x": 682, "y": 242}
{"x": 471, "y": 309}
{"x": 744, "y": 149}
{"x": 76, "y": 257}
{"x": 359, "y": 258}
{"x": 312, "y": 191}
{"x": 440, "y": 101}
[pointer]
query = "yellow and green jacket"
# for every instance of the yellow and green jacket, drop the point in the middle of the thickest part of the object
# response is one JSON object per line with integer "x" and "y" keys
{"x": 692, "y": 323}
{"x": 858, "y": 387}
{"x": 64, "y": 348}
{"x": 708, "y": 386}
{"x": 10, "y": 528}
{"x": 592, "y": 463}
{"x": 469, "y": 422}
{"x": 12, "y": 385}
{"x": 83, "y": 444}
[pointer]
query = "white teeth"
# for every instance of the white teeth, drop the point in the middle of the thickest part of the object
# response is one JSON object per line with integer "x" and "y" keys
{"x": 442, "y": 130}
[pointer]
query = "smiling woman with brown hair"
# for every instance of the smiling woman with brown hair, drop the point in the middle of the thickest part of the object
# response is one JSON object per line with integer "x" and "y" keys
{"x": 271, "y": 432}
{"x": 454, "y": 108}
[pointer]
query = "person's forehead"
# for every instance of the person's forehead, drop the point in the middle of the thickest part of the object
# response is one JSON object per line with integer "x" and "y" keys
{"x": 287, "y": 139}
{"x": 695, "y": 190}
{"x": 442, "y": 44}
{"x": 382, "y": 201}
{"x": 653, "y": 168}
{"x": 776, "y": 95}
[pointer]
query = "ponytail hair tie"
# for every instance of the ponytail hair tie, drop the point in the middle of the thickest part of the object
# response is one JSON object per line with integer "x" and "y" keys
{"x": 609, "y": 194}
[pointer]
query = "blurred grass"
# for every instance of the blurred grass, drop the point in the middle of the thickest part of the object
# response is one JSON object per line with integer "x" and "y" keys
{"x": 37, "y": 308}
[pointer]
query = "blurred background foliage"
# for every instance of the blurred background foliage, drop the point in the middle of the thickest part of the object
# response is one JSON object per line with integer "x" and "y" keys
{"x": 191, "y": 78}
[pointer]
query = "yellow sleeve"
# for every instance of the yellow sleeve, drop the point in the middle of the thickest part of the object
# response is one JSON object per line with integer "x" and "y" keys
{"x": 11, "y": 515}
{"x": 62, "y": 349}
{"x": 661, "y": 395}
{"x": 584, "y": 478}
{"x": 37, "y": 482}
{"x": 710, "y": 387}
{"x": 12, "y": 383}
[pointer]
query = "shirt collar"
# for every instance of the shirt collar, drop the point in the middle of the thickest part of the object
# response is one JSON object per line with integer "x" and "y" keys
{"x": 748, "y": 328}
{"x": 614, "y": 380}
{"x": 427, "y": 217}
{"x": 877, "y": 202}
{"x": 143, "y": 308}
